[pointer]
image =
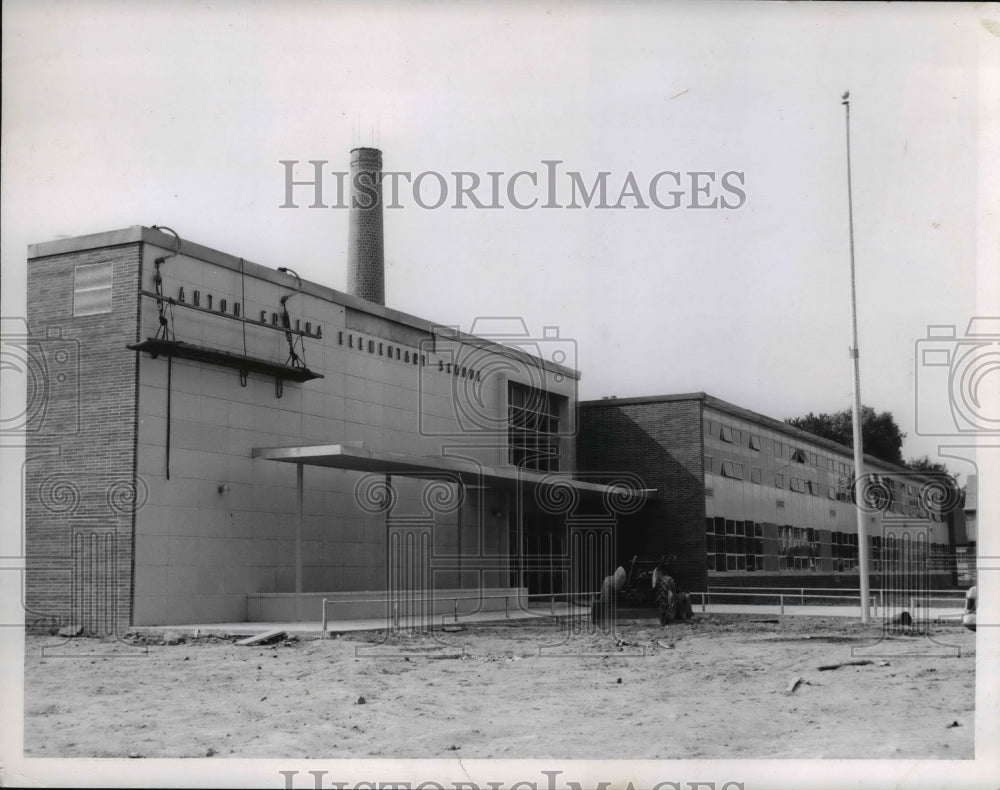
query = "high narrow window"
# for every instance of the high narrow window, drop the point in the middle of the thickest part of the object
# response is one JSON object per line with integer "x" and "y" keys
{"x": 533, "y": 428}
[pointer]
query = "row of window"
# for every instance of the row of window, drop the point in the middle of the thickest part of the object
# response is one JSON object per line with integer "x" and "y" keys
{"x": 734, "y": 545}
{"x": 746, "y": 439}
{"x": 752, "y": 441}
{"x": 737, "y": 471}
{"x": 882, "y": 499}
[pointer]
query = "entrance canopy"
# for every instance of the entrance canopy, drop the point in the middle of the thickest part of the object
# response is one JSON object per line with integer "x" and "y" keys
{"x": 356, "y": 458}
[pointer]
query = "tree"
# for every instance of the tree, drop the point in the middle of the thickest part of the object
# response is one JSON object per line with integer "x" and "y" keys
{"x": 880, "y": 435}
{"x": 933, "y": 468}
{"x": 925, "y": 464}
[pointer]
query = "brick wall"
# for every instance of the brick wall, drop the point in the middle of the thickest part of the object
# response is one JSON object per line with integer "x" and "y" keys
{"x": 662, "y": 443}
{"x": 80, "y": 484}
{"x": 365, "y": 258}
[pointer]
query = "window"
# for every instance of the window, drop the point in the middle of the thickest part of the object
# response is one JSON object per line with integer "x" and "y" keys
{"x": 754, "y": 475}
{"x": 754, "y": 442}
{"x": 533, "y": 428}
{"x": 730, "y": 469}
{"x": 798, "y": 456}
{"x": 726, "y": 433}
{"x": 708, "y": 464}
{"x": 92, "y": 289}
{"x": 798, "y": 548}
{"x": 779, "y": 481}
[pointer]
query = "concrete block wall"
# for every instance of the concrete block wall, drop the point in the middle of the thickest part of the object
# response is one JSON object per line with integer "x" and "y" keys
{"x": 79, "y": 477}
{"x": 388, "y": 384}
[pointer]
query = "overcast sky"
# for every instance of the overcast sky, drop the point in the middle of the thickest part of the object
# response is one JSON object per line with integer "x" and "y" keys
{"x": 177, "y": 114}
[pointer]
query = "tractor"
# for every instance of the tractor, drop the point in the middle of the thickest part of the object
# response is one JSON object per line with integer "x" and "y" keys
{"x": 646, "y": 582}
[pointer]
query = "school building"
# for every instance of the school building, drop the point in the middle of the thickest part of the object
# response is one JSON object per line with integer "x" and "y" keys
{"x": 748, "y": 500}
{"x": 210, "y": 439}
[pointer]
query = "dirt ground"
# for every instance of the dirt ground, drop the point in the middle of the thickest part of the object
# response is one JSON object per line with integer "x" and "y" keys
{"x": 713, "y": 688}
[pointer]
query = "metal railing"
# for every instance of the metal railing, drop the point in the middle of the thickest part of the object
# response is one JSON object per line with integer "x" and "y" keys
{"x": 877, "y": 599}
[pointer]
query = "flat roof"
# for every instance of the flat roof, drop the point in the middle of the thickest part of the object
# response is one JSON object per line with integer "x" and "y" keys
{"x": 359, "y": 459}
{"x": 157, "y": 238}
{"x": 746, "y": 414}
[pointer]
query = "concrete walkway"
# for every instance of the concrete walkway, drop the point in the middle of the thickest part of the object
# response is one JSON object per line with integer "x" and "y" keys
{"x": 314, "y": 628}
{"x": 950, "y": 613}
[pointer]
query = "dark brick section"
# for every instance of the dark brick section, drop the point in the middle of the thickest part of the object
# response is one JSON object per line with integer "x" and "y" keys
{"x": 662, "y": 443}
{"x": 80, "y": 476}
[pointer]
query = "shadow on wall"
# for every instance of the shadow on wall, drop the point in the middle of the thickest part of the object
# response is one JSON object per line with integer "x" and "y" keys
{"x": 669, "y": 459}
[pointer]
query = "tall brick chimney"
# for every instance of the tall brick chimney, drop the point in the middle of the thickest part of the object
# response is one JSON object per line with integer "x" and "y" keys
{"x": 365, "y": 259}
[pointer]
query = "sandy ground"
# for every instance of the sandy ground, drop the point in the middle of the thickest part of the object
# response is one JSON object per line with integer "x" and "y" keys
{"x": 714, "y": 688}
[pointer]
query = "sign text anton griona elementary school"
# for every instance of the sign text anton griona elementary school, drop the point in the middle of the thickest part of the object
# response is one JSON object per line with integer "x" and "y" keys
{"x": 310, "y": 184}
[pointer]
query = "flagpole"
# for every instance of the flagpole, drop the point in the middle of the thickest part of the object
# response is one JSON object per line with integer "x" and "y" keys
{"x": 856, "y": 402}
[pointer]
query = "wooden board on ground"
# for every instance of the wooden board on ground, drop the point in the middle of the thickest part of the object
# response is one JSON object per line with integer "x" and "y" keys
{"x": 262, "y": 638}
